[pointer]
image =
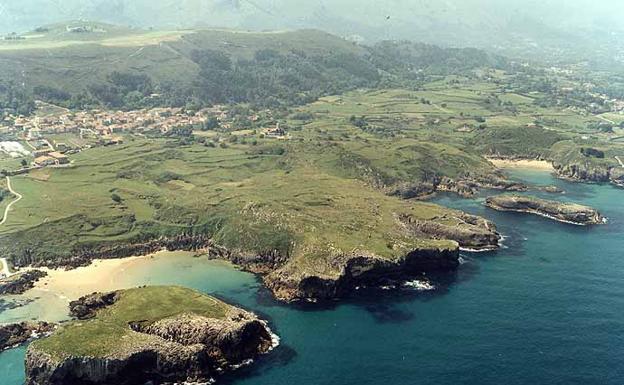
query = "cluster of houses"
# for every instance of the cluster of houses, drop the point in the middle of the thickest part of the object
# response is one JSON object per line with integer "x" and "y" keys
{"x": 49, "y": 157}
{"x": 106, "y": 123}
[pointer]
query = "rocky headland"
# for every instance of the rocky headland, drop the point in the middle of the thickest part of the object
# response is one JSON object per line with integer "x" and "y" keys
{"x": 559, "y": 211}
{"x": 148, "y": 335}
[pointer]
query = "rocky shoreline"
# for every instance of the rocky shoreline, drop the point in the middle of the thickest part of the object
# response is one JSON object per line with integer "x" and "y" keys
{"x": 188, "y": 346}
{"x": 586, "y": 172}
{"x": 559, "y": 211}
{"x": 13, "y": 335}
{"x": 21, "y": 282}
{"x": 473, "y": 233}
{"x": 467, "y": 186}
{"x": 360, "y": 271}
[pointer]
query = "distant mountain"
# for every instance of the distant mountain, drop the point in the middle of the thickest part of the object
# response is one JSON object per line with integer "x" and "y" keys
{"x": 518, "y": 27}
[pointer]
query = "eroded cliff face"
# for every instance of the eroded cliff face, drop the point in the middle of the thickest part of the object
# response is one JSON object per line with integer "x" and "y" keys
{"x": 473, "y": 233}
{"x": 584, "y": 172}
{"x": 360, "y": 270}
{"x": 183, "y": 348}
{"x": 466, "y": 186}
{"x": 162, "y": 362}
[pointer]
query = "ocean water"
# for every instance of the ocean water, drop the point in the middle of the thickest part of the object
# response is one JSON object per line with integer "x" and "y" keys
{"x": 546, "y": 309}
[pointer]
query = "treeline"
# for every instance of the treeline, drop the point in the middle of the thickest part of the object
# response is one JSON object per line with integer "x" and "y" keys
{"x": 122, "y": 90}
{"x": 272, "y": 79}
{"x": 15, "y": 99}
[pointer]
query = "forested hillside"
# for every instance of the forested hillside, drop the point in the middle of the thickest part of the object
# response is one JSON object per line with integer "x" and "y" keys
{"x": 142, "y": 69}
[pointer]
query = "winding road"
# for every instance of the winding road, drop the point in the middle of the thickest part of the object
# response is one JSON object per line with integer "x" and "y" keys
{"x": 19, "y": 198}
{"x": 619, "y": 160}
{"x": 4, "y": 269}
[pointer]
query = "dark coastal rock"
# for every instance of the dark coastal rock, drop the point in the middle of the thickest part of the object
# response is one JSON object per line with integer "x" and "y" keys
{"x": 583, "y": 172}
{"x": 86, "y": 307}
{"x": 357, "y": 271}
{"x": 617, "y": 176}
{"x": 21, "y": 282}
{"x": 82, "y": 256}
{"x": 194, "y": 346}
{"x": 16, "y": 334}
{"x": 551, "y": 189}
{"x": 465, "y": 186}
{"x": 559, "y": 211}
{"x": 476, "y": 233}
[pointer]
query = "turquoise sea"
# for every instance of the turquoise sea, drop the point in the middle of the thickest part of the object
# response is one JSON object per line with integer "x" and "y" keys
{"x": 546, "y": 309}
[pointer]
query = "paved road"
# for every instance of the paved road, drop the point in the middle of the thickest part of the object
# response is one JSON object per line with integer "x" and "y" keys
{"x": 19, "y": 198}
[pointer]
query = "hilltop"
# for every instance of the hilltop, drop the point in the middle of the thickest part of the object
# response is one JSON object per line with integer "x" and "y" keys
{"x": 115, "y": 67}
{"x": 538, "y": 30}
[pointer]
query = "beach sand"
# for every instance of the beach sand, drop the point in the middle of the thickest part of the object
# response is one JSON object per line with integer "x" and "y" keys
{"x": 523, "y": 163}
{"x": 101, "y": 275}
{"x": 49, "y": 298}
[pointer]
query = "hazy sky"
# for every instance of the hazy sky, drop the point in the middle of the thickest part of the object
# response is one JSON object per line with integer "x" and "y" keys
{"x": 451, "y": 22}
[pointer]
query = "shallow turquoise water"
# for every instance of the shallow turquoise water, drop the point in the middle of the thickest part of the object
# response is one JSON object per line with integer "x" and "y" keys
{"x": 547, "y": 309}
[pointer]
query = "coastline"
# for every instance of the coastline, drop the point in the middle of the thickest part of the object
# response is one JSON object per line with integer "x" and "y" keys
{"x": 533, "y": 164}
{"x": 100, "y": 275}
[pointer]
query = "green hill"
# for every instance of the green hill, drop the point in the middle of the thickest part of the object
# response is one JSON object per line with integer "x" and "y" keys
{"x": 106, "y": 66}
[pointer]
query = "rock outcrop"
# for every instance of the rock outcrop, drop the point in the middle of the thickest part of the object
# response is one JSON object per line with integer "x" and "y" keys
{"x": 559, "y": 211}
{"x": 16, "y": 334}
{"x": 20, "y": 282}
{"x": 86, "y": 307}
{"x": 474, "y": 233}
{"x": 360, "y": 270}
{"x": 465, "y": 186}
{"x": 584, "y": 172}
{"x": 188, "y": 346}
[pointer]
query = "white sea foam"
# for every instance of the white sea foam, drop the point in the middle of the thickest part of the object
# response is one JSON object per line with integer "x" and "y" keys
{"x": 246, "y": 362}
{"x": 419, "y": 285}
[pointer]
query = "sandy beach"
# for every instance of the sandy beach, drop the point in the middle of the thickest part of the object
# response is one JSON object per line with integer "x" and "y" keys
{"x": 49, "y": 298}
{"x": 101, "y": 275}
{"x": 522, "y": 163}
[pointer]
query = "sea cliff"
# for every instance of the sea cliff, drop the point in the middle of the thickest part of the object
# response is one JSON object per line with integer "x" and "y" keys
{"x": 150, "y": 334}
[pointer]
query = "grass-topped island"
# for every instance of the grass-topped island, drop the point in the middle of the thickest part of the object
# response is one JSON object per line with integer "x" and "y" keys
{"x": 149, "y": 334}
{"x": 563, "y": 212}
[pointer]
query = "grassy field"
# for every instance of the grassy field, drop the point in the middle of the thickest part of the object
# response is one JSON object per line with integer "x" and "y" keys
{"x": 473, "y": 115}
{"x": 109, "y": 335}
{"x": 323, "y": 193}
{"x": 58, "y": 36}
{"x": 292, "y": 197}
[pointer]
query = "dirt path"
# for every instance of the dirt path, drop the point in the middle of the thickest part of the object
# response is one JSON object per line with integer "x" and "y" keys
{"x": 19, "y": 198}
{"x": 619, "y": 161}
{"x": 607, "y": 120}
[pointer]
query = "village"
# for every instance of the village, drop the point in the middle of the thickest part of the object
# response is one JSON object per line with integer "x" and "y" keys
{"x": 37, "y": 136}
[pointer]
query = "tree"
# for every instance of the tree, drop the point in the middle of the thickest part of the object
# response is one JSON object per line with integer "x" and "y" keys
{"x": 211, "y": 124}
{"x": 116, "y": 198}
{"x": 24, "y": 163}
